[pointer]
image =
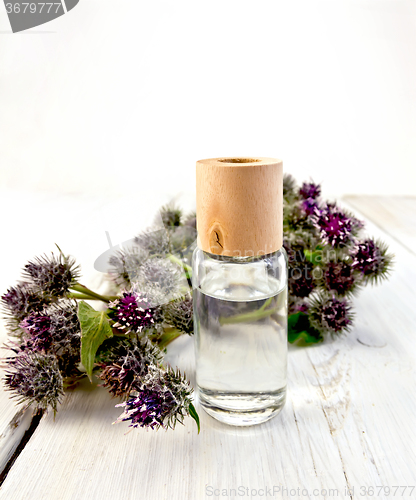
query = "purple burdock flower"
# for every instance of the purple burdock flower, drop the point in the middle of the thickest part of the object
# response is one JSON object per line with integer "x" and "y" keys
{"x": 300, "y": 279}
{"x": 310, "y": 190}
{"x": 310, "y": 206}
{"x": 134, "y": 311}
{"x": 335, "y": 226}
{"x": 147, "y": 409}
{"x": 52, "y": 275}
{"x": 330, "y": 314}
{"x": 34, "y": 378}
{"x": 370, "y": 258}
{"x": 53, "y": 329}
{"x": 37, "y": 328}
{"x": 56, "y": 330}
{"x": 19, "y": 301}
{"x": 126, "y": 365}
{"x": 339, "y": 277}
{"x": 162, "y": 400}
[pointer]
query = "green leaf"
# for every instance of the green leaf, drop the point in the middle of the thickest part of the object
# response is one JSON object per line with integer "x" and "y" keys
{"x": 95, "y": 328}
{"x": 315, "y": 257}
{"x": 194, "y": 415}
{"x": 300, "y": 332}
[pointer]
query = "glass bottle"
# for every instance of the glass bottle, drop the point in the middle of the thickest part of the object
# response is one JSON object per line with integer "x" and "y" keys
{"x": 239, "y": 277}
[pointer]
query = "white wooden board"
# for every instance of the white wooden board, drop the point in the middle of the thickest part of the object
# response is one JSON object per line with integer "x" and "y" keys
{"x": 396, "y": 215}
{"x": 348, "y": 423}
{"x": 14, "y": 421}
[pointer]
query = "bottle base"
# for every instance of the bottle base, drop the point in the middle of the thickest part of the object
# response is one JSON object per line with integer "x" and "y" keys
{"x": 242, "y": 409}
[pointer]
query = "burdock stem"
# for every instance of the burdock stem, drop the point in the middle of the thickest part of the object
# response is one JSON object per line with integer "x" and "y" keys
{"x": 251, "y": 316}
{"x": 91, "y": 295}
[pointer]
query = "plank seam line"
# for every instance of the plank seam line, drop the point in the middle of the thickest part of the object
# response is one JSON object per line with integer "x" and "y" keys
{"x": 20, "y": 447}
{"x": 331, "y": 430}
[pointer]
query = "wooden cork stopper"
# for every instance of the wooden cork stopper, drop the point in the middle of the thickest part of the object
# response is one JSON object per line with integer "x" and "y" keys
{"x": 239, "y": 205}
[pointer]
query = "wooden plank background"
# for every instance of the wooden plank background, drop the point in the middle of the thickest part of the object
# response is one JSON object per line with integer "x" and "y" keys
{"x": 394, "y": 214}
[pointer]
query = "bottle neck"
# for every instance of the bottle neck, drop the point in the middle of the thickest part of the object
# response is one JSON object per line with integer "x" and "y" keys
{"x": 240, "y": 258}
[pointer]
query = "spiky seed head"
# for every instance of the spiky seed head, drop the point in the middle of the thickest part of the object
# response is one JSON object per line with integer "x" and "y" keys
{"x": 154, "y": 242}
{"x": 371, "y": 260}
{"x": 135, "y": 311}
{"x": 56, "y": 330}
{"x": 37, "y": 328}
{"x": 125, "y": 265}
{"x": 34, "y": 378}
{"x": 300, "y": 278}
{"x": 171, "y": 215}
{"x": 127, "y": 363}
{"x": 179, "y": 314}
{"x": 19, "y": 301}
{"x": 160, "y": 273}
{"x": 52, "y": 275}
{"x": 182, "y": 239}
{"x": 330, "y": 314}
{"x": 337, "y": 228}
{"x": 310, "y": 190}
{"x": 338, "y": 277}
{"x": 162, "y": 401}
{"x": 310, "y": 206}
